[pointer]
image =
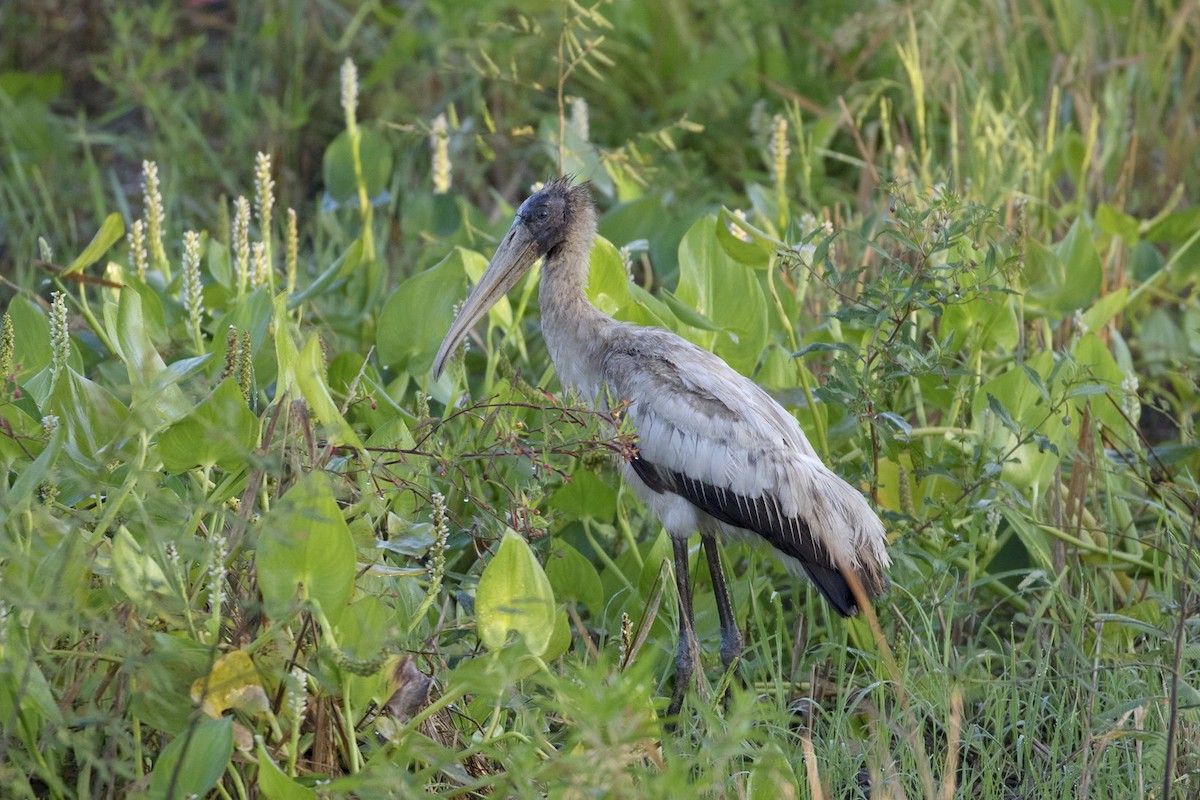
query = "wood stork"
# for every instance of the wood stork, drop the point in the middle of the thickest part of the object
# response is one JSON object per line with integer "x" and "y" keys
{"x": 716, "y": 455}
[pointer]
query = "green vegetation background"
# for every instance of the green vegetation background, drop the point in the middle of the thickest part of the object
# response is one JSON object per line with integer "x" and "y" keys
{"x": 240, "y": 524}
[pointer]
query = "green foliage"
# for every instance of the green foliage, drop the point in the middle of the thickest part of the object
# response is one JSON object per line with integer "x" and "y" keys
{"x": 957, "y": 242}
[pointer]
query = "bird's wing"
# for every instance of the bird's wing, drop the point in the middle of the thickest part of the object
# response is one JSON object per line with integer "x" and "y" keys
{"x": 717, "y": 439}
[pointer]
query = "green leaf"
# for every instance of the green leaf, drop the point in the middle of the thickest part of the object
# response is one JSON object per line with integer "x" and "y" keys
{"x": 286, "y": 354}
{"x": 982, "y": 324}
{"x": 725, "y": 292}
{"x": 112, "y": 229}
{"x": 154, "y": 389}
{"x": 1175, "y": 228}
{"x": 274, "y": 783}
{"x": 560, "y": 637}
{"x": 417, "y": 315}
{"x": 305, "y": 551}
{"x": 515, "y": 595}
{"x": 573, "y": 577}
{"x": 608, "y": 285}
{"x": 688, "y": 315}
{"x": 1018, "y": 401}
{"x": 772, "y": 777}
{"x": 655, "y": 310}
{"x": 1117, "y": 223}
{"x": 1091, "y": 352}
{"x": 31, "y": 337}
{"x": 1036, "y": 541}
{"x": 24, "y": 489}
{"x": 756, "y": 253}
{"x": 310, "y": 377}
{"x": 338, "y": 165}
{"x": 94, "y": 419}
{"x": 221, "y": 431}
{"x": 1066, "y": 277}
{"x": 586, "y": 496}
{"x": 138, "y": 575}
{"x": 1104, "y": 309}
{"x": 997, "y": 408}
{"x": 194, "y": 761}
{"x": 21, "y": 438}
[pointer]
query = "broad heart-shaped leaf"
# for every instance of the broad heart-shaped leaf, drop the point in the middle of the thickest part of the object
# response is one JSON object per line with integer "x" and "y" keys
{"x": 1066, "y": 277}
{"x": 112, "y": 229}
{"x": 221, "y": 431}
{"x": 338, "y": 165}
{"x": 194, "y": 760}
{"x": 305, "y": 551}
{"x": 153, "y": 388}
{"x": 515, "y": 595}
{"x": 573, "y": 577}
{"x": 983, "y": 322}
{"x": 724, "y": 291}
{"x": 93, "y": 418}
{"x": 417, "y": 315}
{"x": 1094, "y": 356}
{"x": 1018, "y": 407}
{"x": 610, "y": 290}
{"x": 586, "y": 496}
{"x": 274, "y": 783}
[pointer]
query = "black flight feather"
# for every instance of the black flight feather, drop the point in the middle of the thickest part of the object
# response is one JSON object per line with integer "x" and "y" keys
{"x": 788, "y": 535}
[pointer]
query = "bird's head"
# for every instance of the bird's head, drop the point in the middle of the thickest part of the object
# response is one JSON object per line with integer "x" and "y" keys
{"x": 545, "y": 222}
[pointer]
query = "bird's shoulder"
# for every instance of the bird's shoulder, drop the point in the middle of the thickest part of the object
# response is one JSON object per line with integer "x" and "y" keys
{"x": 675, "y": 382}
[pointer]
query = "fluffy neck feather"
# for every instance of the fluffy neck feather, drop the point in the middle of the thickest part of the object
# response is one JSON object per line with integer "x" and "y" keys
{"x": 574, "y": 330}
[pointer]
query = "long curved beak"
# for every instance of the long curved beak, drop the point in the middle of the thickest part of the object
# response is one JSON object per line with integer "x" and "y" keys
{"x": 515, "y": 255}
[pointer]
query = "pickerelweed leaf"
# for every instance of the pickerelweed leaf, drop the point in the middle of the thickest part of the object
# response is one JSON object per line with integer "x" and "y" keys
{"x": 337, "y": 166}
{"x": 305, "y": 551}
{"x": 417, "y": 315}
{"x": 220, "y": 431}
{"x": 194, "y": 761}
{"x": 154, "y": 389}
{"x": 514, "y": 595}
{"x": 573, "y": 577}
{"x": 708, "y": 278}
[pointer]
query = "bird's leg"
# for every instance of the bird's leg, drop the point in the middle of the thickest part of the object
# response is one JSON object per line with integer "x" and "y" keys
{"x": 731, "y": 637}
{"x": 685, "y": 654}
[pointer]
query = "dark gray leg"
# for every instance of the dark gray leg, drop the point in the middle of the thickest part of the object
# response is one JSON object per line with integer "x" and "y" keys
{"x": 685, "y": 654}
{"x": 731, "y": 637}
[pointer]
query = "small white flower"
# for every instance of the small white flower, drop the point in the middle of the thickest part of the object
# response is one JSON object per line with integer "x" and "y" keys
{"x": 350, "y": 92}
{"x": 439, "y": 141}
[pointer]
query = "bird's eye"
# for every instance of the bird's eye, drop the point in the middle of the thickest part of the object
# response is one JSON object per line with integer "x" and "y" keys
{"x": 543, "y": 213}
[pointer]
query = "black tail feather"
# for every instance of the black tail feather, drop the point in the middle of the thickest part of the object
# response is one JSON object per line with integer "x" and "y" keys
{"x": 789, "y": 535}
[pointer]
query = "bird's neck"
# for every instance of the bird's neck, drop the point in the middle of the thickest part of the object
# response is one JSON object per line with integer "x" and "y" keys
{"x": 575, "y": 331}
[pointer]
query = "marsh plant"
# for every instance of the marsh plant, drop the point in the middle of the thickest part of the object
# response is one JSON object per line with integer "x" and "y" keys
{"x": 250, "y": 547}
